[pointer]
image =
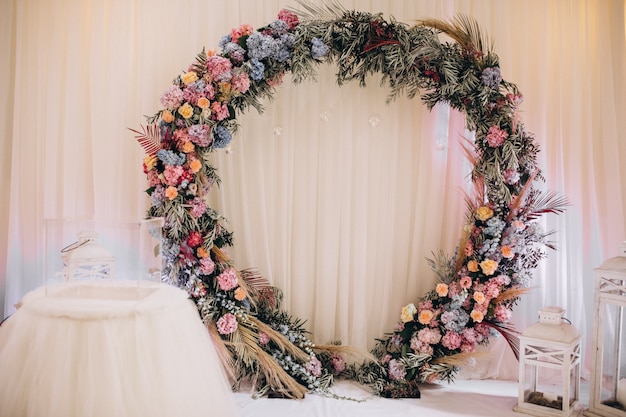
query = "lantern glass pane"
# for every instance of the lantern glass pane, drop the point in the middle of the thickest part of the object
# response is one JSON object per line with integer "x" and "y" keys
{"x": 543, "y": 386}
{"x": 150, "y": 236}
{"x": 613, "y": 390}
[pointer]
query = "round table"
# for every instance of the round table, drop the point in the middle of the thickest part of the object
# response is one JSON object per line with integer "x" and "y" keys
{"x": 110, "y": 348}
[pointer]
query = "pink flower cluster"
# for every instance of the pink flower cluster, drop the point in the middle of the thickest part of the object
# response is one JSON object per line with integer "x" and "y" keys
{"x": 227, "y": 280}
{"x": 496, "y": 136}
{"x": 227, "y": 324}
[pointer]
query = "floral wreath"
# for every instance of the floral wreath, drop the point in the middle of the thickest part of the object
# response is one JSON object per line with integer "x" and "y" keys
{"x": 479, "y": 284}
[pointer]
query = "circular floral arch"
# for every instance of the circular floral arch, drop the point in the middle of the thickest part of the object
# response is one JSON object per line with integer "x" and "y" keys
{"x": 479, "y": 283}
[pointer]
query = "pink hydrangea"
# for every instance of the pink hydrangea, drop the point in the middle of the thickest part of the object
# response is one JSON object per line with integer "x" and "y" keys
{"x": 314, "y": 367}
{"x": 396, "y": 370}
{"x": 220, "y": 111}
{"x": 470, "y": 335}
{"x": 153, "y": 178}
{"x": 227, "y": 280}
{"x": 339, "y": 364}
{"x": 172, "y": 98}
{"x": 227, "y": 324}
{"x": 496, "y": 136}
{"x": 172, "y": 174}
{"x": 264, "y": 339}
{"x": 198, "y": 207}
{"x": 241, "y": 82}
{"x": 288, "y": 17}
{"x": 207, "y": 266}
{"x": 502, "y": 314}
{"x": 451, "y": 340}
{"x": 242, "y": 30}
{"x": 430, "y": 336}
{"x": 219, "y": 68}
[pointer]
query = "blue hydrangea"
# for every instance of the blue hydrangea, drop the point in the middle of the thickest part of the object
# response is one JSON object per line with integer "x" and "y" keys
{"x": 257, "y": 69}
{"x": 288, "y": 39}
{"x": 170, "y": 249}
{"x": 197, "y": 86}
{"x": 234, "y": 51}
{"x": 491, "y": 77}
{"x": 260, "y": 46}
{"x": 224, "y": 40}
{"x": 494, "y": 227}
{"x": 280, "y": 52}
{"x": 170, "y": 157}
{"x": 279, "y": 27}
{"x": 221, "y": 137}
{"x": 318, "y": 48}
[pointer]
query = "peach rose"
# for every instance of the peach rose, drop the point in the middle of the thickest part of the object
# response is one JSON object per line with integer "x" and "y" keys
{"x": 167, "y": 116}
{"x": 488, "y": 266}
{"x": 472, "y": 266}
{"x": 477, "y": 316}
{"x": 425, "y": 316}
{"x": 202, "y": 252}
{"x": 171, "y": 192}
{"x": 203, "y": 103}
{"x": 185, "y": 110}
{"x": 195, "y": 165}
{"x": 240, "y": 294}
{"x": 484, "y": 213}
{"x": 479, "y": 297}
{"x": 186, "y": 147}
{"x": 442, "y": 289}
{"x": 189, "y": 77}
{"x": 507, "y": 252}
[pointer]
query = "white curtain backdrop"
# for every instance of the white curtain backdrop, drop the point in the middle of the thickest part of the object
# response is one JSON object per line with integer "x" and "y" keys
{"x": 335, "y": 196}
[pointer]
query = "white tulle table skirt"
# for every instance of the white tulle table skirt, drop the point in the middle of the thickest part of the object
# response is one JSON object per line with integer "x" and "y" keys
{"x": 110, "y": 348}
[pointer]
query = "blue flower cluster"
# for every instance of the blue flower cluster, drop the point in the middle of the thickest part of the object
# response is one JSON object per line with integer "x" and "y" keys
{"x": 455, "y": 320}
{"x": 170, "y": 157}
{"x": 491, "y": 77}
{"x": 221, "y": 137}
{"x": 318, "y": 48}
{"x": 262, "y": 46}
{"x": 257, "y": 69}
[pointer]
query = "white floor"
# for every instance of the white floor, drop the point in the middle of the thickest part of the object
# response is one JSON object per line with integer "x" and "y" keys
{"x": 479, "y": 398}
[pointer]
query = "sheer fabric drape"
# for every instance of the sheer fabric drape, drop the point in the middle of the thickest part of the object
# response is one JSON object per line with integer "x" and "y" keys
{"x": 335, "y": 196}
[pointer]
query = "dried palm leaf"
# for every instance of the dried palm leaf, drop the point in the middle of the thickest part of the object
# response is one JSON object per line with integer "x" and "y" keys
{"x": 356, "y": 354}
{"x": 460, "y": 359}
{"x": 258, "y": 287}
{"x": 510, "y": 334}
{"x": 281, "y": 341}
{"x": 327, "y": 10}
{"x": 549, "y": 202}
{"x": 220, "y": 255}
{"x": 276, "y": 377}
{"x": 464, "y": 30}
{"x": 520, "y": 196}
{"x": 511, "y": 294}
{"x": 223, "y": 353}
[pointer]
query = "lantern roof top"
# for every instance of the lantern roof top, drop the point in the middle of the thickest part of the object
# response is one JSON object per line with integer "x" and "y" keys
{"x": 552, "y": 328}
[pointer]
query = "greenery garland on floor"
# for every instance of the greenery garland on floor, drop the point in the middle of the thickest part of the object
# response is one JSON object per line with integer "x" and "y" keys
{"x": 500, "y": 245}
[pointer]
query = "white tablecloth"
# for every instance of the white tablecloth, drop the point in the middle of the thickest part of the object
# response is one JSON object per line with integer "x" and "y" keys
{"x": 110, "y": 349}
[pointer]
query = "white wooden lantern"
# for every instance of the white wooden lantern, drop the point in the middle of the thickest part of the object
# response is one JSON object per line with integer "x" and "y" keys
{"x": 607, "y": 388}
{"x": 85, "y": 259}
{"x": 549, "y": 367}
